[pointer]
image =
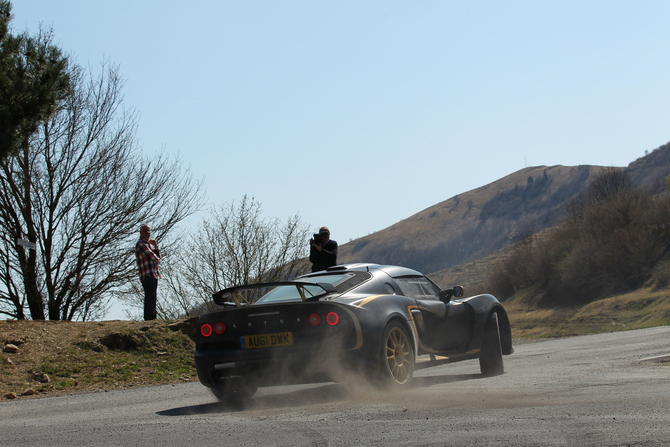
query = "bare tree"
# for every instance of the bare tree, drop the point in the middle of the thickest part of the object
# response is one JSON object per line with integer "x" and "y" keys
{"x": 79, "y": 191}
{"x": 235, "y": 246}
{"x": 608, "y": 184}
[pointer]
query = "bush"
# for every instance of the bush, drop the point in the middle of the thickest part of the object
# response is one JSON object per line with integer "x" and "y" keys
{"x": 610, "y": 241}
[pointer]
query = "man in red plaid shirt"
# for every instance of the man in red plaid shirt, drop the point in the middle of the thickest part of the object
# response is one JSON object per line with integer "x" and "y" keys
{"x": 148, "y": 256}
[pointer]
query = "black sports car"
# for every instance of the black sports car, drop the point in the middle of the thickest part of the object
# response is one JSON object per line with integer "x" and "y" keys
{"x": 384, "y": 321}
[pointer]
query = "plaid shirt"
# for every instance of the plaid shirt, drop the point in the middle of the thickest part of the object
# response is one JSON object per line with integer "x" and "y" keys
{"x": 147, "y": 259}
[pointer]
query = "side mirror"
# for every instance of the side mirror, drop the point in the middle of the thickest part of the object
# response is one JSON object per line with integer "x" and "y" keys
{"x": 456, "y": 291}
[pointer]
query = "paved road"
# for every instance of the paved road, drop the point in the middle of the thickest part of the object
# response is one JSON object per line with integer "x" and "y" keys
{"x": 599, "y": 390}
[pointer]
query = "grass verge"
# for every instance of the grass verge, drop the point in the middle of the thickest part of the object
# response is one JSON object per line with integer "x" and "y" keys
{"x": 57, "y": 357}
{"x": 636, "y": 310}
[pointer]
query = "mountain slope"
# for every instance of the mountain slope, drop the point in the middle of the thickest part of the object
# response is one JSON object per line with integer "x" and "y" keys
{"x": 476, "y": 223}
{"x": 647, "y": 174}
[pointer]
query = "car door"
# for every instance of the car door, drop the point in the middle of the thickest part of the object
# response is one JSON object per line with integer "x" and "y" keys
{"x": 441, "y": 326}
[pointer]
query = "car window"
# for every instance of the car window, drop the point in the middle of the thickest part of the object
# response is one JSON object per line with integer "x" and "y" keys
{"x": 418, "y": 287}
{"x": 291, "y": 292}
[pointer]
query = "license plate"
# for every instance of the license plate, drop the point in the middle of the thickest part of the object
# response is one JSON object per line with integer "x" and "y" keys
{"x": 266, "y": 340}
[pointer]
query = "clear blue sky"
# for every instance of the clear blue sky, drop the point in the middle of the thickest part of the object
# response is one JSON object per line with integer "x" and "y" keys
{"x": 359, "y": 114}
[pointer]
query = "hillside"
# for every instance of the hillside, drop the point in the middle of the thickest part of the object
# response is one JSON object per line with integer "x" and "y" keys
{"x": 471, "y": 275}
{"x": 458, "y": 232}
{"x": 649, "y": 172}
{"x": 473, "y": 224}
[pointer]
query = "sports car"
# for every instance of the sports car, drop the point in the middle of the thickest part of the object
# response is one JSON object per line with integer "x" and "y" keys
{"x": 381, "y": 321}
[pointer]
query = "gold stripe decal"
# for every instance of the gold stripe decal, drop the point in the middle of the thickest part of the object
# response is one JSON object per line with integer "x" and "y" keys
{"x": 367, "y": 300}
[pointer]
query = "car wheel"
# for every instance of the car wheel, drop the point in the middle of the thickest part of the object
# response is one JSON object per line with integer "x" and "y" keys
{"x": 397, "y": 356}
{"x": 234, "y": 391}
{"x": 490, "y": 356}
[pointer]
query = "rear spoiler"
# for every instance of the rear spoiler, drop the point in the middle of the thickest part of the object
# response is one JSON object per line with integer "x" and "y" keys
{"x": 223, "y": 296}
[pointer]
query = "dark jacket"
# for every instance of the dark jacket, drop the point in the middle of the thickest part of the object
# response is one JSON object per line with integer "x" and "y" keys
{"x": 325, "y": 258}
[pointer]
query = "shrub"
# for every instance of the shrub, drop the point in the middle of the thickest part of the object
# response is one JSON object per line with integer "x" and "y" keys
{"x": 610, "y": 241}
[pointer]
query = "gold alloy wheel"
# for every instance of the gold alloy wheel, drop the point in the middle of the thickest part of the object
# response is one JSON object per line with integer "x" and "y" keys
{"x": 398, "y": 356}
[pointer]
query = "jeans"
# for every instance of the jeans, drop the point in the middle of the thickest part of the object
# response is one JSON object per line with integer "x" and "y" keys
{"x": 150, "y": 285}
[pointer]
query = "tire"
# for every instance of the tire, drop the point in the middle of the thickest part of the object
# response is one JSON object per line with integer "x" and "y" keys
{"x": 397, "y": 356}
{"x": 490, "y": 356}
{"x": 234, "y": 391}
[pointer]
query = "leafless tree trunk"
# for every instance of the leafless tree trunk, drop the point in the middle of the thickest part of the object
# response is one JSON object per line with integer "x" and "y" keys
{"x": 80, "y": 192}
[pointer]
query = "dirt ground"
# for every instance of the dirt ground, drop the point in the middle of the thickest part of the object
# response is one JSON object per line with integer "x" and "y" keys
{"x": 40, "y": 358}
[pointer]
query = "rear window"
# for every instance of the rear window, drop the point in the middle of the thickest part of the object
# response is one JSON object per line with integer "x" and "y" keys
{"x": 341, "y": 281}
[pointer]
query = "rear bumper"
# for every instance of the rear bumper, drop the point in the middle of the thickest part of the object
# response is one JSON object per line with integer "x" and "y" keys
{"x": 280, "y": 366}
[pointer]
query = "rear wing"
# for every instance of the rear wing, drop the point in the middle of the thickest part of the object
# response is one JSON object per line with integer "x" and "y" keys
{"x": 223, "y": 296}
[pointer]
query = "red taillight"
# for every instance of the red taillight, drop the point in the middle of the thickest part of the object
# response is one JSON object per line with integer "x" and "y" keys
{"x": 206, "y": 330}
{"x": 314, "y": 319}
{"x": 220, "y": 328}
{"x": 332, "y": 318}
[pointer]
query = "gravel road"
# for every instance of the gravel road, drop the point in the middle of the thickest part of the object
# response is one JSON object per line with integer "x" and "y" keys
{"x": 597, "y": 390}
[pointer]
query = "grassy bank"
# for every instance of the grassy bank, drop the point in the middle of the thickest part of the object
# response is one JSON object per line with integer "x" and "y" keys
{"x": 636, "y": 310}
{"x": 58, "y": 357}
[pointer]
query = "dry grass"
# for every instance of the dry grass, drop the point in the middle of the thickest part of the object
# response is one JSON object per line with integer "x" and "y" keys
{"x": 91, "y": 356}
{"x": 636, "y": 310}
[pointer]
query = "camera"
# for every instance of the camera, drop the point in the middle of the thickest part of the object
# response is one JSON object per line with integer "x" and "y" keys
{"x": 317, "y": 238}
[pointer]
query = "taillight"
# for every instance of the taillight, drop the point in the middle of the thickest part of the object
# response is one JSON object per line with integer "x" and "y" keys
{"x": 332, "y": 318}
{"x": 314, "y": 319}
{"x": 206, "y": 330}
{"x": 220, "y": 328}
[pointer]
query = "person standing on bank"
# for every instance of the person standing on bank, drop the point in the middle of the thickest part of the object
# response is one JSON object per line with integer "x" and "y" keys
{"x": 323, "y": 250}
{"x": 148, "y": 257}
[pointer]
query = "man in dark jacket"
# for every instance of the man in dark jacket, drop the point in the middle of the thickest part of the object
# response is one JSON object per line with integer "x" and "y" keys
{"x": 323, "y": 253}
